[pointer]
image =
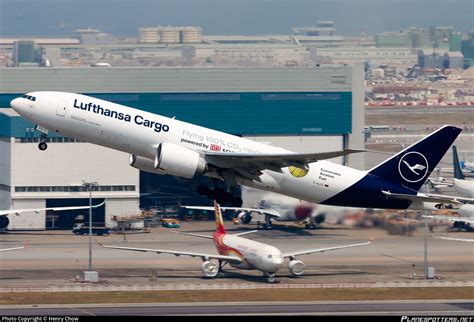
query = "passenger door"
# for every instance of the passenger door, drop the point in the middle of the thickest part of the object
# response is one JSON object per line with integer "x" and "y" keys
{"x": 62, "y": 108}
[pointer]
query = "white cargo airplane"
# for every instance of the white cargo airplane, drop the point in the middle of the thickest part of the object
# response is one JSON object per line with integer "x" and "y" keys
{"x": 242, "y": 253}
{"x": 4, "y": 221}
{"x": 168, "y": 146}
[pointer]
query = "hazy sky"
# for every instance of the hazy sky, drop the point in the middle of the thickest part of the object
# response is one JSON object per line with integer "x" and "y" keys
{"x": 56, "y": 18}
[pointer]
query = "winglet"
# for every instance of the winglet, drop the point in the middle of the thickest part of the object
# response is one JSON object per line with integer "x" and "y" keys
{"x": 99, "y": 205}
{"x": 26, "y": 243}
{"x": 371, "y": 240}
{"x": 100, "y": 244}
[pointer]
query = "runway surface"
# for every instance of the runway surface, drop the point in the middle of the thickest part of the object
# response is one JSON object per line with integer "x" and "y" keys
{"x": 453, "y": 307}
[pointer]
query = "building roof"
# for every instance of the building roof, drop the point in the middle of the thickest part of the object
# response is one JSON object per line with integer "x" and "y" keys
{"x": 454, "y": 54}
{"x": 172, "y": 80}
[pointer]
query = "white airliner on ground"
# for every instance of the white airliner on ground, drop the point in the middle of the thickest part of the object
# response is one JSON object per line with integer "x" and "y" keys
{"x": 168, "y": 146}
{"x": 300, "y": 212}
{"x": 4, "y": 221}
{"x": 242, "y": 253}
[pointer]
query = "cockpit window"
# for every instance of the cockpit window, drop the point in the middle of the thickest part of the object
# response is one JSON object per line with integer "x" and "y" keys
{"x": 30, "y": 98}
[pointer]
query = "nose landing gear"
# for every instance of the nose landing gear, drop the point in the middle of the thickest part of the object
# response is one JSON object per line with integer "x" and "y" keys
{"x": 44, "y": 134}
{"x": 42, "y": 145}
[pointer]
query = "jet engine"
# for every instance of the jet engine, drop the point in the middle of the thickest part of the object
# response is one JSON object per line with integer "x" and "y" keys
{"x": 143, "y": 164}
{"x": 4, "y": 221}
{"x": 296, "y": 267}
{"x": 244, "y": 217}
{"x": 178, "y": 161}
{"x": 209, "y": 269}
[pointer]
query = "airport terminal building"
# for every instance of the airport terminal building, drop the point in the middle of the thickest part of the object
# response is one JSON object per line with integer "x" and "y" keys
{"x": 301, "y": 109}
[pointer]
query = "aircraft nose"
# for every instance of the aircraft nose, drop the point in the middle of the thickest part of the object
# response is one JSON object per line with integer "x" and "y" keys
{"x": 16, "y": 104}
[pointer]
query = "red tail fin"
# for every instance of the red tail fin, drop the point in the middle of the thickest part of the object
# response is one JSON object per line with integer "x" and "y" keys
{"x": 219, "y": 221}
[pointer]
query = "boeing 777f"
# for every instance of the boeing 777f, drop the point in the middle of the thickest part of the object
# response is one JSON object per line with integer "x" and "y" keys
{"x": 162, "y": 145}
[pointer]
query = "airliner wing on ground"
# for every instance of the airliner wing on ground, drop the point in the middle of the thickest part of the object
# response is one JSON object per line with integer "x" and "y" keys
{"x": 4, "y": 221}
{"x": 37, "y": 210}
{"x": 269, "y": 212}
{"x": 9, "y": 249}
{"x": 14, "y": 248}
{"x": 451, "y": 218}
{"x": 455, "y": 239}
{"x": 203, "y": 256}
{"x": 432, "y": 198}
{"x": 452, "y": 199}
{"x": 322, "y": 250}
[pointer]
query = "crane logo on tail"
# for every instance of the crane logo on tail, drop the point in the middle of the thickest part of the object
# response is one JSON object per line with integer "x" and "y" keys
{"x": 413, "y": 167}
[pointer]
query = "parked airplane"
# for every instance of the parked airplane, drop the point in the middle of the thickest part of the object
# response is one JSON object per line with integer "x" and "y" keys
{"x": 300, "y": 212}
{"x": 462, "y": 186}
{"x": 465, "y": 199}
{"x": 4, "y": 221}
{"x": 464, "y": 220}
{"x": 168, "y": 146}
{"x": 242, "y": 253}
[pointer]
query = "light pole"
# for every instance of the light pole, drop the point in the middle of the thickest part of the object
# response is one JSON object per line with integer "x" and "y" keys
{"x": 89, "y": 187}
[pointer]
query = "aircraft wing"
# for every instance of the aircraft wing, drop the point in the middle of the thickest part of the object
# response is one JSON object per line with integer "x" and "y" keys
{"x": 204, "y": 256}
{"x": 456, "y": 199}
{"x": 8, "y": 249}
{"x": 451, "y": 218}
{"x": 272, "y": 161}
{"x": 424, "y": 197}
{"x": 456, "y": 239}
{"x": 37, "y": 210}
{"x": 321, "y": 250}
{"x": 269, "y": 212}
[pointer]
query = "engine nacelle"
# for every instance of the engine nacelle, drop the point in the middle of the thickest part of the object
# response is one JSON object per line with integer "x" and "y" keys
{"x": 4, "y": 221}
{"x": 244, "y": 217}
{"x": 296, "y": 267}
{"x": 143, "y": 164}
{"x": 209, "y": 269}
{"x": 178, "y": 161}
{"x": 319, "y": 218}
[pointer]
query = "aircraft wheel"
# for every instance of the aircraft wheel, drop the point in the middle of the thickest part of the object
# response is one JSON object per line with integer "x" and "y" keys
{"x": 271, "y": 278}
{"x": 42, "y": 146}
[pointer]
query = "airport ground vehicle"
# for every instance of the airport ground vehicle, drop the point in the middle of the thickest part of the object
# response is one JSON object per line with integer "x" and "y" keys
{"x": 82, "y": 229}
{"x": 170, "y": 223}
